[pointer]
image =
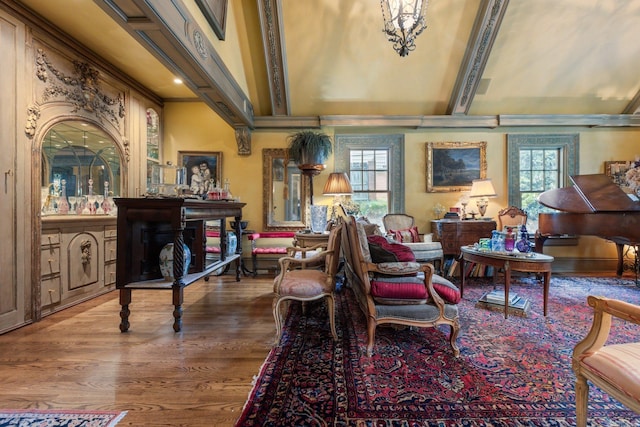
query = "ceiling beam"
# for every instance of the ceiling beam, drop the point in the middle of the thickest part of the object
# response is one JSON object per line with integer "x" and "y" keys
{"x": 270, "y": 12}
{"x": 634, "y": 105}
{"x": 484, "y": 32}
{"x": 169, "y": 32}
{"x": 442, "y": 122}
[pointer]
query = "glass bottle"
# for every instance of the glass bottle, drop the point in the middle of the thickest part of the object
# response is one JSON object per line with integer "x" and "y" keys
{"x": 509, "y": 240}
{"x": 523, "y": 244}
{"x": 63, "y": 204}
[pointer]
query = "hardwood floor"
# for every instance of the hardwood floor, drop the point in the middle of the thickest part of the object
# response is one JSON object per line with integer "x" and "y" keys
{"x": 201, "y": 376}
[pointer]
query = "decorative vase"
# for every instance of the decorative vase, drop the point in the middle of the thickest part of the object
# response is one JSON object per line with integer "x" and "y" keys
{"x": 318, "y": 218}
{"x": 232, "y": 243}
{"x": 166, "y": 261}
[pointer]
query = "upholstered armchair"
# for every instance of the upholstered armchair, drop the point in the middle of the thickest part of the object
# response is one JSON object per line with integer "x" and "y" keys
{"x": 614, "y": 368}
{"x": 394, "y": 288}
{"x": 403, "y": 229}
{"x": 308, "y": 279}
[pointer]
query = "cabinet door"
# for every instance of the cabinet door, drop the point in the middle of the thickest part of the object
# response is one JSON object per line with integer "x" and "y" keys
{"x": 13, "y": 185}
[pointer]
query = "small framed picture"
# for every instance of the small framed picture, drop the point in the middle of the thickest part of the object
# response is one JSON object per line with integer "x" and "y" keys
{"x": 452, "y": 166}
{"x": 204, "y": 170}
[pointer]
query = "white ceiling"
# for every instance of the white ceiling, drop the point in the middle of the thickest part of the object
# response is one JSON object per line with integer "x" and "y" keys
{"x": 549, "y": 56}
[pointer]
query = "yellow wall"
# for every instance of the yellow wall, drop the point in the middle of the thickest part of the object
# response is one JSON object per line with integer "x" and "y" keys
{"x": 194, "y": 127}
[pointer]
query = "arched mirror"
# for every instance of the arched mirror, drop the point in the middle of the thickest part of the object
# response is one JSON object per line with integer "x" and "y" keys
{"x": 79, "y": 161}
{"x": 284, "y": 192}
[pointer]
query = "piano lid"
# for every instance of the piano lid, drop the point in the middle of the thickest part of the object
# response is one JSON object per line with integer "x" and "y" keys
{"x": 589, "y": 194}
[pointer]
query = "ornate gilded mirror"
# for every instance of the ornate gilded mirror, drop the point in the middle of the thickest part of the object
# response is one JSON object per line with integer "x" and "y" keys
{"x": 284, "y": 192}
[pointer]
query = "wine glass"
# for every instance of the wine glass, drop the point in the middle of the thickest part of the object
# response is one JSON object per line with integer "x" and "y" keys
{"x": 99, "y": 200}
{"x": 72, "y": 204}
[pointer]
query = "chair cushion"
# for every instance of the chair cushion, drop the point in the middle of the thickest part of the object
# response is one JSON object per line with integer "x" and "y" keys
{"x": 398, "y": 290}
{"x": 447, "y": 290}
{"x": 304, "y": 284}
{"x": 618, "y": 364}
{"x": 384, "y": 251}
{"x": 411, "y": 290}
{"x": 406, "y": 235}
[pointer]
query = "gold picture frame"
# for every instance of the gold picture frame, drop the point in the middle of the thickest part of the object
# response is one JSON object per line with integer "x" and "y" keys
{"x": 209, "y": 165}
{"x": 452, "y": 166}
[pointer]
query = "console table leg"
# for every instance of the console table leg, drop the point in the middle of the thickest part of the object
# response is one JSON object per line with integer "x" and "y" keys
{"x": 125, "y": 300}
{"x": 177, "y": 310}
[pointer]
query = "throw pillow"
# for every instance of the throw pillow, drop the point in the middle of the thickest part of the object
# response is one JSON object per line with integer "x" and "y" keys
{"x": 407, "y": 235}
{"x": 398, "y": 290}
{"x": 384, "y": 251}
{"x": 447, "y": 290}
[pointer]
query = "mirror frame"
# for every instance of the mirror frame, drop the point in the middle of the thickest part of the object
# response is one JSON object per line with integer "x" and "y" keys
{"x": 268, "y": 155}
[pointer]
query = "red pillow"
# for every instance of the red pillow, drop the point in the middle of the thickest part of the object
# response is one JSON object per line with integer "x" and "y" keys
{"x": 447, "y": 290}
{"x": 384, "y": 251}
{"x": 407, "y": 235}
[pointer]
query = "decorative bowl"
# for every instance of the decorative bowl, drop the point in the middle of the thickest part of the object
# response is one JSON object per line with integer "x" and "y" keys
{"x": 243, "y": 224}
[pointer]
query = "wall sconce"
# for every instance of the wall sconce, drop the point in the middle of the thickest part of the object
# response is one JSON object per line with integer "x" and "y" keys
{"x": 338, "y": 185}
{"x": 482, "y": 189}
{"x": 404, "y": 20}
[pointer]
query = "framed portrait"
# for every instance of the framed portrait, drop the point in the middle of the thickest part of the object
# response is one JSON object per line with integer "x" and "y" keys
{"x": 215, "y": 11}
{"x": 451, "y": 166}
{"x": 616, "y": 170}
{"x": 204, "y": 169}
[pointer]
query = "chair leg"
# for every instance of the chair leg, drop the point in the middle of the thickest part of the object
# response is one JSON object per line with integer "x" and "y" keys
{"x": 331, "y": 308}
{"x": 254, "y": 261}
{"x": 582, "y": 398}
{"x": 277, "y": 318}
{"x": 371, "y": 336}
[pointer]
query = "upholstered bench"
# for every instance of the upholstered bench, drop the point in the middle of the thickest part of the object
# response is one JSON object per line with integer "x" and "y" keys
{"x": 269, "y": 244}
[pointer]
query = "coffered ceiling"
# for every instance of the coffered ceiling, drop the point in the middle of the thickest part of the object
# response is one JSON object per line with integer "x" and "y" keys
{"x": 480, "y": 62}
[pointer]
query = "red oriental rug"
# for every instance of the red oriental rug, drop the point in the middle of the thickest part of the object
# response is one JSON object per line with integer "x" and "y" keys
{"x": 511, "y": 372}
{"x": 59, "y": 418}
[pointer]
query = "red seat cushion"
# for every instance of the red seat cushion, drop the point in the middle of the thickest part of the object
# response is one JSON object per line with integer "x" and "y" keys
{"x": 269, "y": 251}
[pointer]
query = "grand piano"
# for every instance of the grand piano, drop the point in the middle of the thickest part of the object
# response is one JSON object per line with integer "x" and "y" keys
{"x": 593, "y": 206}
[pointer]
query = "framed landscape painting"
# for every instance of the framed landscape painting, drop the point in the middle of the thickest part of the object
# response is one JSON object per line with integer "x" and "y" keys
{"x": 451, "y": 166}
{"x": 202, "y": 167}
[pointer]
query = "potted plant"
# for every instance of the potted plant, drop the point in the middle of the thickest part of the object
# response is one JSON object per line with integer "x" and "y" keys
{"x": 309, "y": 147}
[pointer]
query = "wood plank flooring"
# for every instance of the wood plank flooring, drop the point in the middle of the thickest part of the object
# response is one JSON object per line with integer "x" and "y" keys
{"x": 201, "y": 376}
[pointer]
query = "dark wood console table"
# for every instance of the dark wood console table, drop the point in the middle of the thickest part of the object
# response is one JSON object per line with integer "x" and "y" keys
{"x": 453, "y": 234}
{"x": 146, "y": 225}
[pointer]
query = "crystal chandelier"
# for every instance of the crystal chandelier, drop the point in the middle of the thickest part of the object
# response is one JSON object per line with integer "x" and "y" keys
{"x": 404, "y": 20}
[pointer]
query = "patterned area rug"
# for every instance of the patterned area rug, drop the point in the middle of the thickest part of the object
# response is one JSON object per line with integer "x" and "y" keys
{"x": 511, "y": 372}
{"x": 56, "y": 418}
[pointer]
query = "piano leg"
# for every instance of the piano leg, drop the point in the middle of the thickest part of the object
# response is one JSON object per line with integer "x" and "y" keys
{"x": 620, "y": 249}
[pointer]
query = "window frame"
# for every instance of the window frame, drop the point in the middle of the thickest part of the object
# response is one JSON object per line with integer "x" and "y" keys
{"x": 394, "y": 144}
{"x": 567, "y": 144}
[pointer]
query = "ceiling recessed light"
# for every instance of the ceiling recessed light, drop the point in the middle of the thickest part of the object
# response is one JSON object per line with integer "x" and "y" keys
{"x": 177, "y": 81}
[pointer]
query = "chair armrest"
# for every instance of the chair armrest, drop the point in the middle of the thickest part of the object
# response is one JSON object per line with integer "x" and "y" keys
{"x": 288, "y": 262}
{"x": 604, "y": 309}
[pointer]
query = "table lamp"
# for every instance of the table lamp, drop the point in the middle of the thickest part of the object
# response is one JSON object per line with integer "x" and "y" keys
{"x": 482, "y": 189}
{"x": 338, "y": 185}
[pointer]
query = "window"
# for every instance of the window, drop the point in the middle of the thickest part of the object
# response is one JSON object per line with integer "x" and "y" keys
{"x": 153, "y": 143}
{"x": 537, "y": 163}
{"x": 375, "y": 165}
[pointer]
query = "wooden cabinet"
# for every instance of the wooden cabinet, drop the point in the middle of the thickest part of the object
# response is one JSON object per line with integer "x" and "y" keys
{"x": 454, "y": 233}
{"x": 75, "y": 258}
{"x": 146, "y": 225}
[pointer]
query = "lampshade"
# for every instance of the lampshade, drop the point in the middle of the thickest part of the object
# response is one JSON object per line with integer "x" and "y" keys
{"x": 338, "y": 184}
{"x": 482, "y": 188}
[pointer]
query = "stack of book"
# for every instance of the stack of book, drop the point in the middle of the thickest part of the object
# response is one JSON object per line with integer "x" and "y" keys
{"x": 495, "y": 300}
